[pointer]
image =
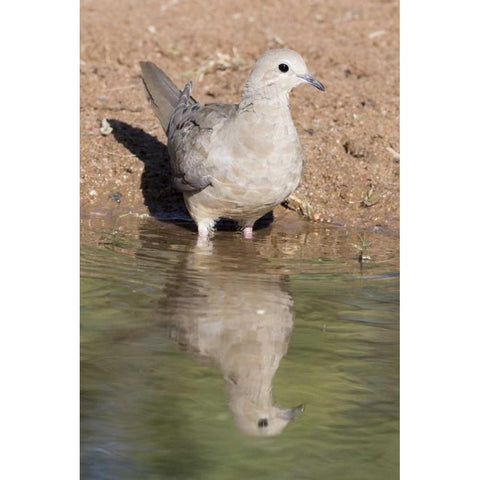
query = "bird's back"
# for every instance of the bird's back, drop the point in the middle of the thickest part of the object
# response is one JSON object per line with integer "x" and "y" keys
{"x": 192, "y": 130}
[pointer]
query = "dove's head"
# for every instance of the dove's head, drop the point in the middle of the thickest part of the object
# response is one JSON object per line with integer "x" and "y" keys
{"x": 256, "y": 421}
{"x": 278, "y": 71}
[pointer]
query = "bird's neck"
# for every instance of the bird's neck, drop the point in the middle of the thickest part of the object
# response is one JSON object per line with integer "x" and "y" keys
{"x": 266, "y": 100}
{"x": 264, "y": 115}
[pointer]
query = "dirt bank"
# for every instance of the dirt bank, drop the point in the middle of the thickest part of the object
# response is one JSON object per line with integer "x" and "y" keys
{"x": 350, "y": 133}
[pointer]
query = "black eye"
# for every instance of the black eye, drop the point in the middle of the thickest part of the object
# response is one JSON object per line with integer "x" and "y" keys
{"x": 263, "y": 422}
{"x": 283, "y": 67}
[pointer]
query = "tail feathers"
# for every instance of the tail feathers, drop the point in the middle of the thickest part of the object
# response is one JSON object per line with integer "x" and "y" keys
{"x": 183, "y": 103}
{"x": 161, "y": 92}
{"x": 185, "y": 96}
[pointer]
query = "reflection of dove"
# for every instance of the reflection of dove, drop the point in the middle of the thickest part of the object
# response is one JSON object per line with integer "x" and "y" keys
{"x": 233, "y": 161}
{"x": 241, "y": 323}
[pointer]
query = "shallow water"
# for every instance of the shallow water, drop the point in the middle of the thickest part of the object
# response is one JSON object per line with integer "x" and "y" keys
{"x": 193, "y": 355}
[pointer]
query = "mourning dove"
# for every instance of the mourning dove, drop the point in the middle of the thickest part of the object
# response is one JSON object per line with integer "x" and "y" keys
{"x": 239, "y": 323}
{"x": 233, "y": 161}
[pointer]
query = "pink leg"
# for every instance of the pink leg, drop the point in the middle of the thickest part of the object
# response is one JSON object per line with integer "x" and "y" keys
{"x": 248, "y": 232}
{"x": 203, "y": 233}
{"x": 205, "y": 227}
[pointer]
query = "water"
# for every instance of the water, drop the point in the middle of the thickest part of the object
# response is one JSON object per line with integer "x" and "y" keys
{"x": 197, "y": 360}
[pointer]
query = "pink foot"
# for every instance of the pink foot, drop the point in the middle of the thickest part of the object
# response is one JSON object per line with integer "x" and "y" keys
{"x": 205, "y": 227}
{"x": 248, "y": 232}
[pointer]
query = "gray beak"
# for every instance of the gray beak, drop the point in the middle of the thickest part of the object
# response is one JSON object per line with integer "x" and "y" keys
{"x": 293, "y": 413}
{"x": 312, "y": 81}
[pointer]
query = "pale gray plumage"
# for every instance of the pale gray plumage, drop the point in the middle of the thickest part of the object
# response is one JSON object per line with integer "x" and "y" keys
{"x": 233, "y": 161}
{"x": 239, "y": 322}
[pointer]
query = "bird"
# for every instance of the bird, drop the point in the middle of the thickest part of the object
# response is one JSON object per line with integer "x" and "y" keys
{"x": 234, "y": 161}
{"x": 239, "y": 323}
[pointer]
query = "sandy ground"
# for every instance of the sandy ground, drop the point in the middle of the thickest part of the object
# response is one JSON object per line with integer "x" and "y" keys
{"x": 350, "y": 133}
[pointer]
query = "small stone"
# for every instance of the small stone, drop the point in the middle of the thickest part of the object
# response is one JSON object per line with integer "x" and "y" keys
{"x": 377, "y": 33}
{"x": 106, "y": 128}
{"x": 116, "y": 197}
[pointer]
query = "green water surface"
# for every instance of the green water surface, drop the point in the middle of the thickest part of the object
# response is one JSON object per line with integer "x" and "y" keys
{"x": 192, "y": 355}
